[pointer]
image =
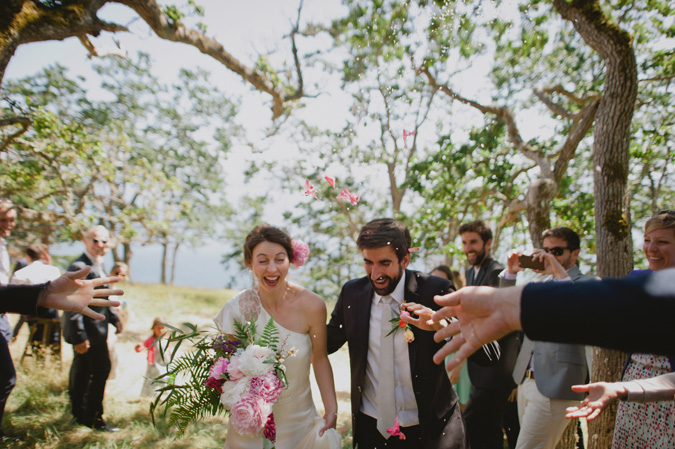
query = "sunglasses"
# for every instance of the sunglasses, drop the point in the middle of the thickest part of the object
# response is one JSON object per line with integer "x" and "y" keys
{"x": 556, "y": 250}
{"x": 97, "y": 241}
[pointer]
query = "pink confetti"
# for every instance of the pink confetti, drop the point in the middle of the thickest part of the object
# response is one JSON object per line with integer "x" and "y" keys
{"x": 414, "y": 249}
{"x": 395, "y": 430}
{"x": 330, "y": 180}
{"x": 309, "y": 189}
{"x": 407, "y": 134}
{"x": 351, "y": 197}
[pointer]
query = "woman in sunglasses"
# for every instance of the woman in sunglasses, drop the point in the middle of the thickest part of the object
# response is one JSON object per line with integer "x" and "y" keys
{"x": 640, "y": 420}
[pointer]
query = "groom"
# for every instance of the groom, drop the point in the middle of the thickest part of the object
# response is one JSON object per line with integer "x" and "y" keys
{"x": 392, "y": 380}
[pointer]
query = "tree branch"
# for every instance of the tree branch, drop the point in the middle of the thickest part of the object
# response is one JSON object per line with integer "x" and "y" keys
{"x": 24, "y": 122}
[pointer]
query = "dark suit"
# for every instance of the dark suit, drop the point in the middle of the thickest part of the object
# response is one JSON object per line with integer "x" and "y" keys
{"x": 492, "y": 385}
{"x": 441, "y": 423}
{"x": 89, "y": 371}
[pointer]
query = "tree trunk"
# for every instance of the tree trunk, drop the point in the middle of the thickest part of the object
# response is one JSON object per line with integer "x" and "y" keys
{"x": 610, "y": 173}
{"x": 540, "y": 194}
{"x": 165, "y": 250}
{"x": 568, "y": 440}
{"x": 174, "y": 258}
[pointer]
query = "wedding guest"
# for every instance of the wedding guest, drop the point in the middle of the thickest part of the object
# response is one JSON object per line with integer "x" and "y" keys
{"x": 649, "y": 424}
{"x": 70, "y": 292}
{"x": 550, "y": 312}
{"x": 602, "y": 394}
{"x": 545, "y": 372}
{"x": 155, "y": 358}
{"x": 91, "y": 360}
{"x": 396, "y": 388}
{"x": 39, "y": 270}
{"x": 7, "y": 372}
{"x": 489, "y": 409}
{"x": 459, "y": 376}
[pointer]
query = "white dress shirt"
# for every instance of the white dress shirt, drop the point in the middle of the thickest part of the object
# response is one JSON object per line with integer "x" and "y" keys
{"x": 37, "y": 272}
{"x": 4, "y": 262}
{"x": 406, "y": 405}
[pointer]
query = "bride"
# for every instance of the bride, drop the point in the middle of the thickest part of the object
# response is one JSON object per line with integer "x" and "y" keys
{"x": 300, "y": 317}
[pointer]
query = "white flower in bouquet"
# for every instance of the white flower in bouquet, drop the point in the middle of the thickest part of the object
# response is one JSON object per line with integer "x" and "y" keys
{"x": 256, "y": 360}
{"x": 233, "y": 390}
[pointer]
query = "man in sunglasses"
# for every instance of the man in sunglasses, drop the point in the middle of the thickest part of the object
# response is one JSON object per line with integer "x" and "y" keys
{"x": 545, "y": 372}
{"x": 91, "y": 360}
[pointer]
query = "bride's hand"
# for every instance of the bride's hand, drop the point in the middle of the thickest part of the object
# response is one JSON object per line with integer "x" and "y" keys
{"x": 331, "y": 422}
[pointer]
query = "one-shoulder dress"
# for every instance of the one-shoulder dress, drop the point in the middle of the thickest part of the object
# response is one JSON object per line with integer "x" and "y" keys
{"x": 297, "y": 421}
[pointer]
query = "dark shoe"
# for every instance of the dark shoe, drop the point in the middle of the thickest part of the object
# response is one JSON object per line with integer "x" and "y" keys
{"x": 104, "y": 426}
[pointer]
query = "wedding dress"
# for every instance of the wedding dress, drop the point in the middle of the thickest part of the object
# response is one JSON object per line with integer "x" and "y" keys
{"x": 297, "y": 421}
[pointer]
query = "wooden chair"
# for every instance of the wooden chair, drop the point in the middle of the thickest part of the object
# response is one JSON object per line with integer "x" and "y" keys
{"x": 37, "y": 349}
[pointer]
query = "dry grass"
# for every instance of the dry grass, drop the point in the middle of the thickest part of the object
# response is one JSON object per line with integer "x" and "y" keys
{"x": 38, "y": 411}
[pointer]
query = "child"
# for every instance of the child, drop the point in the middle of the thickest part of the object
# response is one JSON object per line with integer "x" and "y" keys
{"x": 156, "y": 362}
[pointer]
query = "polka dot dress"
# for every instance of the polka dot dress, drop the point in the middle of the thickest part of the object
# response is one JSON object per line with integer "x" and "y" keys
{"x": 645, "y": 425}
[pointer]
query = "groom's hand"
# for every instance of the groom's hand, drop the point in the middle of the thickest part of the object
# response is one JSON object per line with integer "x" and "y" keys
{"x": 424, "y": 320}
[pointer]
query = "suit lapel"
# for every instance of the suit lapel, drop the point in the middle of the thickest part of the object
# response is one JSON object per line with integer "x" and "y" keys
{"x": 361, "y": 314}
{"x": 411, "y": 295}
{"x": 470, "y": 274}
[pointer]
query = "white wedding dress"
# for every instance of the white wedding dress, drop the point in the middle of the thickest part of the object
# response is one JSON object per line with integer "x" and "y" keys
{"x": 297, "y": 421}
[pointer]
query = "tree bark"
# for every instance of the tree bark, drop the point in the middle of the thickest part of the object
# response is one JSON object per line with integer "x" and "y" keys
{"x": 610, "y": 174}
{"x": 165, "y": 250}
{"x": 26, "y": 21}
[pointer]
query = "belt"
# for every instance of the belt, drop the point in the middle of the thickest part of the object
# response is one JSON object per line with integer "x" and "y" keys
{"x": 529, "y": 374}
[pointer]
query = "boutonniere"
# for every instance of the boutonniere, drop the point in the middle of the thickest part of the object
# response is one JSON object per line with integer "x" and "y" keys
{"x": 398, "y": 323}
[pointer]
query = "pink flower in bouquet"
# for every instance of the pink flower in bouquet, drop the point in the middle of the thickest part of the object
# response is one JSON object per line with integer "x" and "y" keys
{"x": 268, "y": 386}
{"x": 249, "y": 414}
{"x": 214, "y": 383}
{"x": 300, "y": 253}
{"x": 270, "y": 431}
{"x": 233, "y": 370}
{"x": 218, "y": 369}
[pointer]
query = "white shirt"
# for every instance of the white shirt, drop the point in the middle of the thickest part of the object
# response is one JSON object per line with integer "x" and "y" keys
{"x": 406, "y": 405}
{"x": 37, "y": 272}
{"x": 4, "y": 262}
{"x": 96, "y": 261}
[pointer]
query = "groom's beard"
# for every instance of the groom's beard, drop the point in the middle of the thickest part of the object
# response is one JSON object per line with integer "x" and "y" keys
{"x": 391, "y": 285}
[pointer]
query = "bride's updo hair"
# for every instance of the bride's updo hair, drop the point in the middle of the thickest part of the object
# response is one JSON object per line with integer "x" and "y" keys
{"x": 266, "y": 233}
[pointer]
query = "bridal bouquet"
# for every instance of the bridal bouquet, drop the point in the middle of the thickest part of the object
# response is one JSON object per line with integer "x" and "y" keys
{"x": 241, "y": 375}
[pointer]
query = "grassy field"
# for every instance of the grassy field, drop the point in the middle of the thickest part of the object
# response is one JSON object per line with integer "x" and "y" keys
{"x": 38, "y": 411}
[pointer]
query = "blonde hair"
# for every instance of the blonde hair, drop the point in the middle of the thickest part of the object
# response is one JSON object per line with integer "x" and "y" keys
{"x": 663, "y": 219}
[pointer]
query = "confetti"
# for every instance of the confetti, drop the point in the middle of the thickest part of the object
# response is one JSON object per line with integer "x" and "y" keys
{"x": 309, "y": 189}
{"x": 330, "y": 180}
{"x": 407, "y": 134}
{"x": 414, "y": 249}
{"x": 351, "y": 197}
{"x": 395, "y": 430}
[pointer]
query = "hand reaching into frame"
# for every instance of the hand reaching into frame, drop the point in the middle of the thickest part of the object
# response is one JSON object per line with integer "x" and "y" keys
{"x": 72, "y": 293}
{"x": 484, "y": 314}
{"x": 600, "y": 395}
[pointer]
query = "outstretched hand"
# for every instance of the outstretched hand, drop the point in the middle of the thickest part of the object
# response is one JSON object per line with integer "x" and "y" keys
{"x": 72, "y": 293}
{"x": 484, "y": 314}
{"x": 423, "y": 320}
{"x": 600, "y": 395}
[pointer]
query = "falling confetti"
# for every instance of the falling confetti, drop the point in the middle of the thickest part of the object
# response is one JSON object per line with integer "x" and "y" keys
{"x": 414, "y": 249}
{"x": 330, "y": 180}
{"x": 407, "y": 134}
{"x": 351, "y": 197}
{"x": 309, "y": 189}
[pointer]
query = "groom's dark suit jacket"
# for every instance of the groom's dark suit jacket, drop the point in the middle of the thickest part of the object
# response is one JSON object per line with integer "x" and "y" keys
{"x": 440, "y": 417}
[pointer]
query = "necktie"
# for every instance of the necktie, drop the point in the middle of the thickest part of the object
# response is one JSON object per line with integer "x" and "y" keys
{"x": 386, "y": 395}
